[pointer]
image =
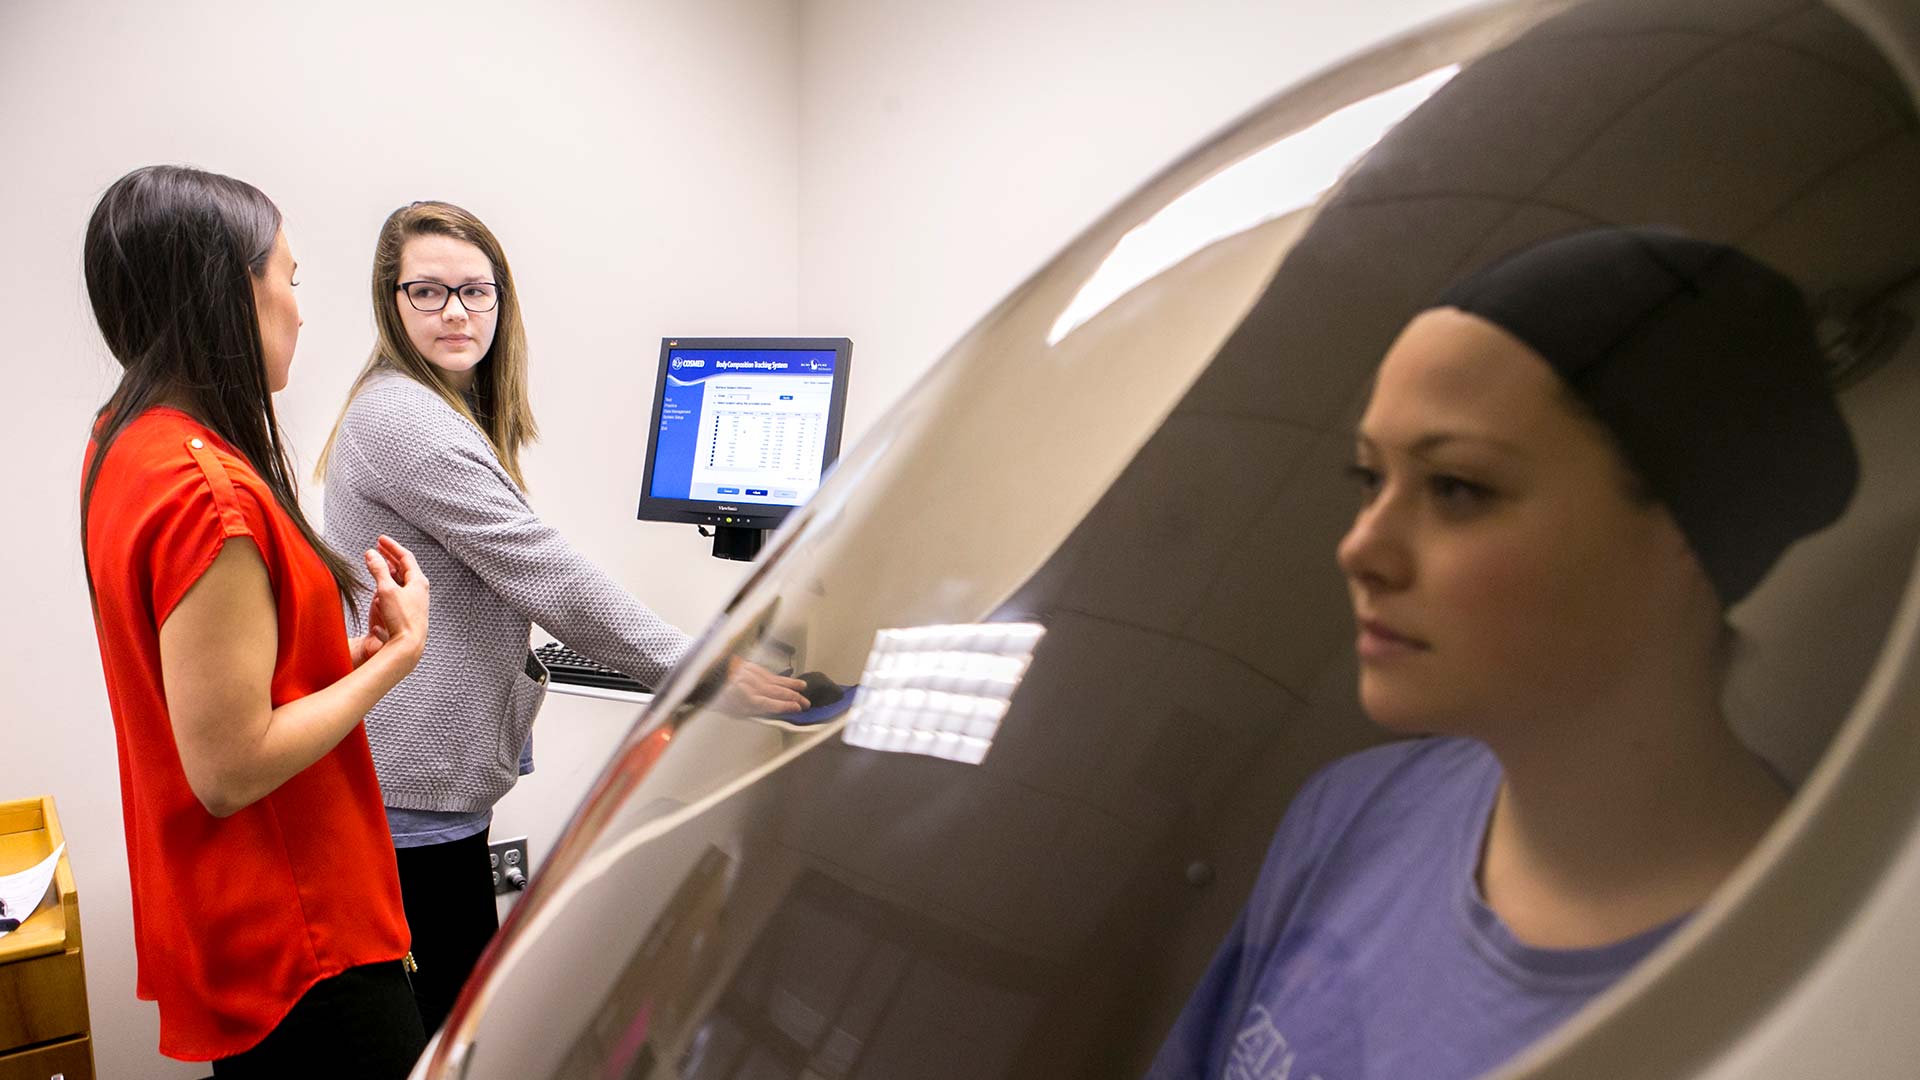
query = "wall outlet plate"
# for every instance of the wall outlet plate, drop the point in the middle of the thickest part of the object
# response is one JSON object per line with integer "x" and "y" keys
{"x": 511, "y": 867}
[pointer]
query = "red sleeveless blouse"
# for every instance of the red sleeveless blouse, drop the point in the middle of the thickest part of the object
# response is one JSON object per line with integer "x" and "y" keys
{"x": 234, "y": 918}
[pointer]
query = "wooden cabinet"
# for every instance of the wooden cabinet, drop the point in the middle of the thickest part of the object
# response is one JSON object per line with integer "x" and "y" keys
{"x": 44, "y": 1031}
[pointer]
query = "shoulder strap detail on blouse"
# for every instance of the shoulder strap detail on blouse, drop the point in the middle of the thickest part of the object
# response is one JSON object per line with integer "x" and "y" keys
{"x": 232, "y": 521}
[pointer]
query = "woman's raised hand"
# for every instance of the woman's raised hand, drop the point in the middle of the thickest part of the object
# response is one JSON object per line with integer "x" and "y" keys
{"x": 397, "y": 617}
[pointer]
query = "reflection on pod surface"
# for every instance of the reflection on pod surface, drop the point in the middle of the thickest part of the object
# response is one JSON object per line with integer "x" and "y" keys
{"x": 745, "y": 898}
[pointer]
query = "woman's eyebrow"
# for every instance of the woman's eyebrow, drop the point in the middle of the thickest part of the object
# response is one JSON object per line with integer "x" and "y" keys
{"x": 1434, "y": 440}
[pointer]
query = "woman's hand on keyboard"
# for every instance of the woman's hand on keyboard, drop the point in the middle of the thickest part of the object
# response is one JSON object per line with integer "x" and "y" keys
{"x": 752, "y": 690}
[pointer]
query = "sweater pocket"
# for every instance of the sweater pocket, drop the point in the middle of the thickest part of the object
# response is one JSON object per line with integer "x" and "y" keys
{"x": 524, "y": 699}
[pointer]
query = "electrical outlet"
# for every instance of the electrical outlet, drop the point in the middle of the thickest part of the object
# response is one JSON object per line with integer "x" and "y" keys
{"x": 511, "y": 867}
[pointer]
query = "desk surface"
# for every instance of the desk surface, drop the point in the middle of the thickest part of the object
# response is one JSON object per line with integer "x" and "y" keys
{"x": 555, "y": 686}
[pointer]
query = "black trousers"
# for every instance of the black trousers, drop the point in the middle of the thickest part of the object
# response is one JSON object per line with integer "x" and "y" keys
{"x": 361, "y": 1023}
{"x": 448, "y": 893}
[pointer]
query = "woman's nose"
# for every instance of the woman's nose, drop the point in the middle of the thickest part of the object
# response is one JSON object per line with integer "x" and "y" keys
{"x": 1374, "y": 552}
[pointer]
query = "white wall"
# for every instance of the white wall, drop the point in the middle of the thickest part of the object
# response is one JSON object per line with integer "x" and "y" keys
{"x": 577, "y": 735}
{"x": 881, "y": 170}
{"x": 637, "y": 159}
{"x": 948, "y": 150}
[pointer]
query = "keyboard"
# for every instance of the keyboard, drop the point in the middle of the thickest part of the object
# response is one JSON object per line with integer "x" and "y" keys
{"x": 567, "y": 666}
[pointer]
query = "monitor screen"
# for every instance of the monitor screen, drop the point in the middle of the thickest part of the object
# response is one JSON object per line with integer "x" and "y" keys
{"x": 743, "y": 428}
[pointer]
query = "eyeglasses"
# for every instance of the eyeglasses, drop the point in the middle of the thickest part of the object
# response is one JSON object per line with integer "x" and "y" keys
{"x": 432, "y": 295}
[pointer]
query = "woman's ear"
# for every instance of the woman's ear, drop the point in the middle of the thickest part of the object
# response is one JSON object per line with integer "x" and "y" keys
{"x": 1681, "y": 567}
{"x": 1692, "y": 592}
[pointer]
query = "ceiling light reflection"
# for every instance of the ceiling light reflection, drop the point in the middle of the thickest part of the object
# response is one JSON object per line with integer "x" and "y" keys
{"x": 1276, "y": 181}
{"x": 940, "y": 690}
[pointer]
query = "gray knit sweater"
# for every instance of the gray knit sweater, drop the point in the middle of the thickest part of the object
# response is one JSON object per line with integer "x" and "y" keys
{"x": 449, "y": 736}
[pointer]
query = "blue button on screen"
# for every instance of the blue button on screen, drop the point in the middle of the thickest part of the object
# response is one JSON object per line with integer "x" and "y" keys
{"x": 756, "y": 491}
{"x": 727, "y": 491}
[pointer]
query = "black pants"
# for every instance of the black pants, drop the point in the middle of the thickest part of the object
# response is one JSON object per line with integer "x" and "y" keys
{"x": 361, "y": 1023}
{"x": 448, "y": 893}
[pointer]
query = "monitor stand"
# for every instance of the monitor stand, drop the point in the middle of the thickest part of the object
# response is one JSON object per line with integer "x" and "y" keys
{"x": 738, "y": 544}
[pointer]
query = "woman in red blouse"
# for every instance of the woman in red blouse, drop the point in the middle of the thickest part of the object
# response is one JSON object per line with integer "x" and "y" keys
{"x": 266, "y": 907}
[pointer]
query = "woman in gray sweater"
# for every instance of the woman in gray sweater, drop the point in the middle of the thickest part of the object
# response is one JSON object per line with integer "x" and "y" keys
{"x": 427, "y": 451}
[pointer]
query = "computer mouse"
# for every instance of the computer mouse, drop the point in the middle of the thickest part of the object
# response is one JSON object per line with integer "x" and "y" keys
{"x": 819, "y": 689}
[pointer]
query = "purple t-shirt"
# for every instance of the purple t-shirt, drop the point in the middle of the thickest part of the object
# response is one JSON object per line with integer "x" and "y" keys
{"x": 1366, "y": 952}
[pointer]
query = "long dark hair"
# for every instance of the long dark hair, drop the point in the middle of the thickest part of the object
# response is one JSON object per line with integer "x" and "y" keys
{"x": 171, "y": 255}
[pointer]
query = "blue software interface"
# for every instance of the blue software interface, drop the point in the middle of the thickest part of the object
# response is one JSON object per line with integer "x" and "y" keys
{"x": 742, "y": 425}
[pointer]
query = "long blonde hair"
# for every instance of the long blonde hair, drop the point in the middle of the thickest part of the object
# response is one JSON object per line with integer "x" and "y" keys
{"x": 498, "y": 403}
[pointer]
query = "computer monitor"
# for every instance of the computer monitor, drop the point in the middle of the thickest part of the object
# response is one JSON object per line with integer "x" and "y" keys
{"x": 743, "y": 428}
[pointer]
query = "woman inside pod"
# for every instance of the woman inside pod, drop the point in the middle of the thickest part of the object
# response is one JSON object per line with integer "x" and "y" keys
{"x": 1570, "y": 467}
{"x": 427, "y": 449}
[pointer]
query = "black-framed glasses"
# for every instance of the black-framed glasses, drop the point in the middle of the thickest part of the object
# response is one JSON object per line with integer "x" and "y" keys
{"x": 432, "y": 295}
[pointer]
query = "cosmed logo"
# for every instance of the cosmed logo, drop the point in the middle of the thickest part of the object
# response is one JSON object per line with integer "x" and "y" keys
{"x": 679, "y": 362}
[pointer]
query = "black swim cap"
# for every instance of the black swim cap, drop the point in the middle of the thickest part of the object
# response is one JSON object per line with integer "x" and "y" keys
{"x": 1701, "y": 361}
